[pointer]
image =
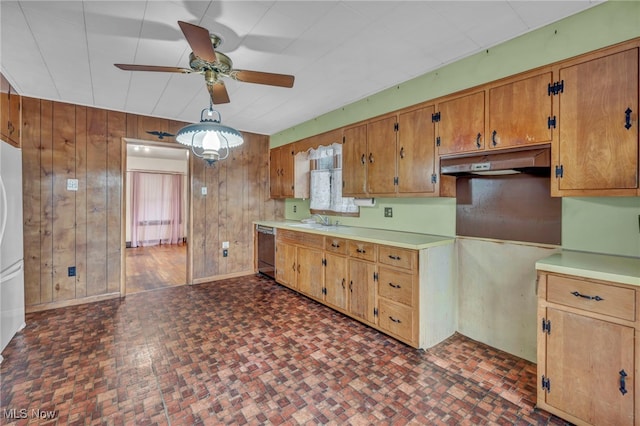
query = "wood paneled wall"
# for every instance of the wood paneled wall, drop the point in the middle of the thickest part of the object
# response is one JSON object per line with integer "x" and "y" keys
{"x": 82, "y": 228}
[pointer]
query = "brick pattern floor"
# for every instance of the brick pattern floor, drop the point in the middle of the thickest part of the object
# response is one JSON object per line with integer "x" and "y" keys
{"x": 248, "y": 351}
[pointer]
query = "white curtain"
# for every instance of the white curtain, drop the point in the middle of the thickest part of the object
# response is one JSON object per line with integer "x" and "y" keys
{"x": 156, "y": 209}
{"x": 326, "y": 181}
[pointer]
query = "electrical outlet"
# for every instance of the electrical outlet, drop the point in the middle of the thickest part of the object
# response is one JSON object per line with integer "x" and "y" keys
{"x": 71, "y": 271}
{"x": 225, "y": 252}
{"x": 388, "y": 212}
{"x": 295, "y": 209}
{"x": 204, "y": 190}
{"x": 72, "y": 184}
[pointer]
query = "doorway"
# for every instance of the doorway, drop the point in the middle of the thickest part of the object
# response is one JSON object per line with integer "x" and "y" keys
{"x": 155, "y": 212}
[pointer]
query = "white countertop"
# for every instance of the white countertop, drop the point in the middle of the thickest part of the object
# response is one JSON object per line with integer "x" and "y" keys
{"x": 618, "y": 269}
{"x": 408, "y": 240}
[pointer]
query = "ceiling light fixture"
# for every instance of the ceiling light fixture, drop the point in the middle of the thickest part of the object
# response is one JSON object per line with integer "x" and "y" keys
{"x": 209, "y": 137}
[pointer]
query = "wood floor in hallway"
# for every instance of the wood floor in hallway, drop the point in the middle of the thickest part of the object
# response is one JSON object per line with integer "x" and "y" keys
{"x": 150, "y": 268}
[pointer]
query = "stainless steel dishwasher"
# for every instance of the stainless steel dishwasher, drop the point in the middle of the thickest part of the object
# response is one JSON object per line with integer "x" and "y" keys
{"x": 266, "y": 250}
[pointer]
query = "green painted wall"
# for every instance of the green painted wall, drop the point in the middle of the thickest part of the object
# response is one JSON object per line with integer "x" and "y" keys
{"x": 602, "y": 25}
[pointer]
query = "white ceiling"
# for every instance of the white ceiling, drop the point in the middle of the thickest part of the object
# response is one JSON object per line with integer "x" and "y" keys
{"x": 339, "y": 51}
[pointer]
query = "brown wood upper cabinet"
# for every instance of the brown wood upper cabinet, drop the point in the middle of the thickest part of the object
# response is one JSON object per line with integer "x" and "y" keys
{"x": 281, "y": 172}
{"x": 520, "y": 113}
{"x": 461, "y": 124}
{"x": 391, "y": 155}
{"x": 597, "y": 148}
{"x": 9, "y": 113}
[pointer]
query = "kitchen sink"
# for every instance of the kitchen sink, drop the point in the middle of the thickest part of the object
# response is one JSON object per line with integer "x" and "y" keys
{"x": 316, "y": 226}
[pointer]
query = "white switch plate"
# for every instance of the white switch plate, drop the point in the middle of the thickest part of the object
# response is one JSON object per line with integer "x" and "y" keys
{"x": 225, "y": 244}
{"x": 204, "y": 190}
{"x": 72, "y": 184}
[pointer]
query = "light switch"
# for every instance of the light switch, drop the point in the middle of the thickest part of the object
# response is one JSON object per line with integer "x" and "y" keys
{"x": 225, "y": 244}
{"x": 72, "y": 184}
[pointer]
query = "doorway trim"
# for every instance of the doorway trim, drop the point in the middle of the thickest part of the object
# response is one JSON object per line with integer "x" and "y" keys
{"x": 123, "y": 203}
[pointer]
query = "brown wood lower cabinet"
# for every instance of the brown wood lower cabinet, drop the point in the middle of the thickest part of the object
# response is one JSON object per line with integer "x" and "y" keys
{"x": 588, "y": 350}
{"x": 386, "y": 287}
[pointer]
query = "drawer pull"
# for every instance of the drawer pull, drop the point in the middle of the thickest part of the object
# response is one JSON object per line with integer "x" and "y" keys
{"x": 394, "y": 257}
{"x": 343, "y": 280}
{"x": 361, "y": 251}
{"x": 623, "y": 386}
{"x": 397, "y": 321}
{"x": 586, "y": 296}
{"x": 394, "y": 285}
{"x": 334, "y": 245}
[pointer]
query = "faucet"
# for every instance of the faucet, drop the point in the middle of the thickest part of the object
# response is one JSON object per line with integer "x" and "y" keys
{"x": 323, "y": 220}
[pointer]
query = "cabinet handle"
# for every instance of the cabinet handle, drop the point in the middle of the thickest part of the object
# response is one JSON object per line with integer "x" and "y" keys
{"x": 335, "y": 245}
{"x": 493, "y": 138}
{"x": 397, "y": 321}
{"x": 394, "y": 285}
{"x": 627, "y": 118}
{"x": 371, "y": 157}
{"x": 478, "y": 140}
{"x": 361, "y": 250}
{"x": 298, "y": 268}
{"x": 343, "y": 280}
{"x": 351, "y": 286}
{"x": 402, "y": 152}
{"x": 293, "y": 266}
{"x": 623, "y": 386}
{"x": 394, "y": 257}
{"x": 10, "y": 127}
{"x": 586, "y": 296}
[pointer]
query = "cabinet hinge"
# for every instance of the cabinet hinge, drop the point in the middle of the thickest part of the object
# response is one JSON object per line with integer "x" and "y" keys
{"x": 559, "y": 171}
{"x": 551, "y": 122}
{"x": 324, "y": 262}
{"x": 324, "y": 291}
{"x": 434, "y": 178}
{"x": 435, "y": 117}
{"x": 546, "y": 326}
{"x": 546, "y": 384}
{"x": 555, "y": 88}
{"x": 375, "y": 276}
{"x": 375, "y": 312}
{"x": 344, "y": 139}
{"x": 438, "y": 141}
{"x": 395, "y": 180}
{"x": 396, "y": 127}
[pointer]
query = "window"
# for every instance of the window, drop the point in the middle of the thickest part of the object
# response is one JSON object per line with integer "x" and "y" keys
{"x": 326, "y": 182}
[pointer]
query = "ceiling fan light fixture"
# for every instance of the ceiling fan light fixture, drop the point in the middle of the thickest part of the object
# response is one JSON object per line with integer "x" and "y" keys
{"x": 208, "y": 137}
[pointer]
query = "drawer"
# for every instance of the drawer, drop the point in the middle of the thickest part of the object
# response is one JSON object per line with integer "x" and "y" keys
{"x": 335, "y": 245}
{"x": 604, "y": 299}
{"x": 394, "y": 256}
{"x": 396, "y": 319}
{"x": 362, "y": 250}
{"x": 395, "y": 285}
{"x": 303, "y": 238}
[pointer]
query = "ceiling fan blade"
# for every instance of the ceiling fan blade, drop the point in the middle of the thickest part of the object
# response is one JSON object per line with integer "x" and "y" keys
{"x": 199, "y": 40}
{"x": 130, "y": 67}
{"x": 218, "y": 92}
{"x": 259, "y": 77}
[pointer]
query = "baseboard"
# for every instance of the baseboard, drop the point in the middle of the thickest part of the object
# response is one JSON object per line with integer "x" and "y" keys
{"x": 73, "y": 302}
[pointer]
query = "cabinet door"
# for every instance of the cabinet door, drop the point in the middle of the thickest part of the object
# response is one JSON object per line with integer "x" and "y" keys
{"x": 275, "y": 189}
{"x": 381, "y": 156}
{"x": 416, "y": 151}
{"x": 287, "y": 172}
{"x": 519, "y": 112}
{"x": 310, "y": 271}
{"x": 335, "y": 280}
{"x": 461, "y": 124}
{"x": 361, "y": 290}
{"x": 286, "y": 264}
{"x": 598, "y": 145}
{"x": 584, "y": 361}
{"x": 9, "y": 113}
{"x": 354, "y": 166}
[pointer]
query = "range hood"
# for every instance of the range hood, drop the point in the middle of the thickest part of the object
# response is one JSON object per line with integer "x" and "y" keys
{"x": 533, "y": 160}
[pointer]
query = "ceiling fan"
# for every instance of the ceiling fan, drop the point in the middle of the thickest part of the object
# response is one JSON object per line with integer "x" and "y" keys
{"x": 204, "y": 59}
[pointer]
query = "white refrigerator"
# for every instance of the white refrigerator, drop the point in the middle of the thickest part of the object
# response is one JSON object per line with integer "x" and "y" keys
{"x": 12, "y": 317}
